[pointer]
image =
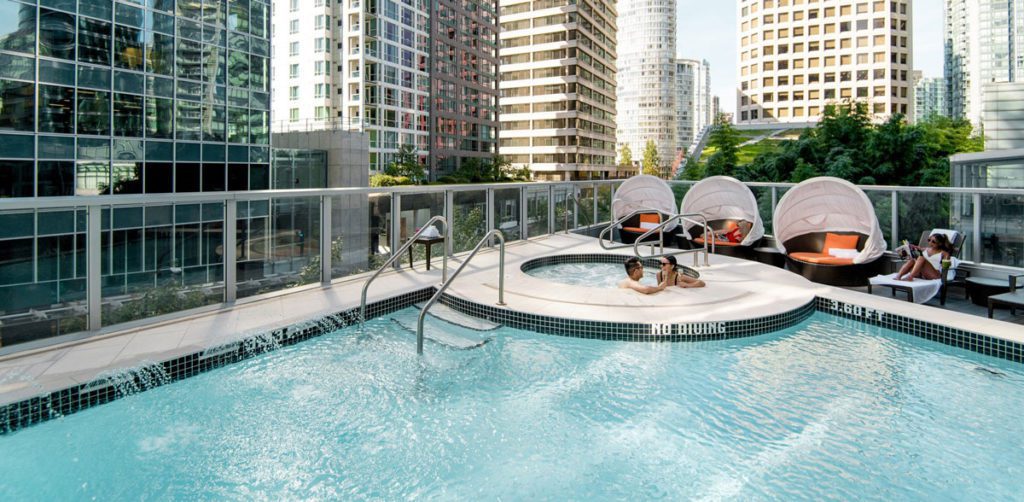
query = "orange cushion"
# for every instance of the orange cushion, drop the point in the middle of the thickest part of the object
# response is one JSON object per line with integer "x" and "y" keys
{"x": 650, "y": 218}
{"x": 820, "y": 259}
{"x": 839, "y": 242}
{"x": 700, "y": 240}
{"x": 638, "y": 230}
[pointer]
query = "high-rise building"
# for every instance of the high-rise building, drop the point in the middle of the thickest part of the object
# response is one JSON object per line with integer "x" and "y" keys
{"x": 795, "y": 58}
{"x": 647, "y": 87}
{"x": 383, "y": 67}
{"x": 929, "y": 97}
{"x": 984, "y": 44}
{"x": 693, "y": 100}
{"x": 558, "y": 87}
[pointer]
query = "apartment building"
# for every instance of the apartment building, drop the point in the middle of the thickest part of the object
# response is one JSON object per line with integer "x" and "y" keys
{"x": 984, "y": 44}
{"x": 558, "y": 87}
{"x": 420, "y": 73}
{"x": 693, "y": 100}
{"x": 647, "y": 91}
{"x": 929, "y": 97}
{"x": 798, "y": 56}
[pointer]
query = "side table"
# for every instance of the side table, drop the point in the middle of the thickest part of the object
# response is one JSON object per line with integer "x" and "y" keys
{"x": 428, "y": 242}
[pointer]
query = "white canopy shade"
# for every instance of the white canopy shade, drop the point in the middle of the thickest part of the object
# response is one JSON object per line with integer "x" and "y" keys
{"x": 724, "y": 198}
{"x": 828, "y": 204}
{"x": 644, "y": 192}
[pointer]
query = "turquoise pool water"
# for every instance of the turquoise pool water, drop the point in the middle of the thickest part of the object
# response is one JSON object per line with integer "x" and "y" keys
{"x": 829, "y": 409}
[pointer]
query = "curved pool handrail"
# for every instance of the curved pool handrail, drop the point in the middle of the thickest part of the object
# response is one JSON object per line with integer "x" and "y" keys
{"x": 501, "y": 282}
{"x": 681, "y": 216}
{"x": 617, "y": 223}
{"x": 398, "y": 254}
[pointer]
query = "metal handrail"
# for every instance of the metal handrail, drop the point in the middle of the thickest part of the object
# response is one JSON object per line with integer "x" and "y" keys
{"x": 501, "y": 282}
{"x": 670, "y": 219}
{"x": 616, "y": 223}
{"x": 397, "y": 255}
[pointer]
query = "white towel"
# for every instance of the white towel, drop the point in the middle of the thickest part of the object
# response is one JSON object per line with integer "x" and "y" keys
{"x": 923, "y": 289}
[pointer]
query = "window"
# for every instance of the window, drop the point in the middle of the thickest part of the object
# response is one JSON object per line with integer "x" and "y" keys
{"x": 321, "y": 112}
{"x": 321, "y": 91}
{"x": 293, "y": 93}
{"x": 319, "y": 67}
{"x": 293, "y": 70}
{"x": 293, "y": 5}
{"x": 293, "y": 114}
{"x": 293, "y": 26}
{"x": 319, "y": 44}
{"x": 293, "y": 49}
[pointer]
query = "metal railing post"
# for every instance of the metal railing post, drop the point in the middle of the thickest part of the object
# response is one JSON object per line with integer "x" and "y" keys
{"x": 976, "y": 227}
{"x": 775, "y": 199}
{"x": 230, "y": 247}
{"x": 575, "y": 207}
{"x": 396, "y": 225}
{"x": 593, "y": 221}
{"x": 895, "y": 221}
{"x": 490, "y": 209}
{"x": 524, "y": 214}
{"x": 551, "y": 209}
{"x": 94, "y": 266}
{"x": 326, "y": 241}
{"x": 449, "y": 214}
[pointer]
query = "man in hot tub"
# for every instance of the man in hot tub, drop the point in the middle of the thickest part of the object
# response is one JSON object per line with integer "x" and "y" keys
{"x": 635, "y": 272}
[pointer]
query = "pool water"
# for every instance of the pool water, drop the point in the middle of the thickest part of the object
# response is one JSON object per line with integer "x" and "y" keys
{"x": 600, "y": 275}
{"x": 828, "y": 409}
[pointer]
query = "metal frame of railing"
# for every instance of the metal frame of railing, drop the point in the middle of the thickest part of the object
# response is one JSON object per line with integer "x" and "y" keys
{"x": 615, "y": 224}
{"x": 501, "y": 281}
{"x": 95, "y": 206}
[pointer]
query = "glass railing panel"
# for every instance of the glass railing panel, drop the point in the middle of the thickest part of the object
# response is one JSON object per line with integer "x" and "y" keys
{"x": 278, "y": 244}
{"x": 359, "y": 233}
{"x": 585, "y": 211}
{"x": 764, "y": 206}
{"x": 469, "y": 219}
{"x": 564, "y": 208}
{"x": 1002, "y": 230}
{"x": 961, "y": 219}
{"x": 604, "y": 203}
{"x": 42, "y": 274}
{"x": 920, "y": 212}
{"x": 882, "y": 202}
{"x": 506, "y": 212}
{"x": 537, "y": 211}
{"x": 679, "y": 191}
{"x": 161, "y": 259}
{"x": 417, "y": 209}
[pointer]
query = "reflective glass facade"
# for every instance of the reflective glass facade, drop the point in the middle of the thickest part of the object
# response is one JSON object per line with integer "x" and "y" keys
{"x": 101, "y": 97}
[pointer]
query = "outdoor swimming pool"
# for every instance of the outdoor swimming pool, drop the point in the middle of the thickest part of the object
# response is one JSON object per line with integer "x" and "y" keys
{"x": 831, "y": 408}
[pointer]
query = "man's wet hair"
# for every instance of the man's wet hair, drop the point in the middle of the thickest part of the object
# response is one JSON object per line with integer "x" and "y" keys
{"x": 632, "y": 263}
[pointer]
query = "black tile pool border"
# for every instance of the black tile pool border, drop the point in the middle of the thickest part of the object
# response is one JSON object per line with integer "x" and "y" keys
{"x": 67, "y": 401}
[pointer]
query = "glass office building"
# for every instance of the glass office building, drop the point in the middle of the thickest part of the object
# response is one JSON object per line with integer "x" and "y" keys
{"x": 114, "y": 98}
{"x": 100, "y": 97}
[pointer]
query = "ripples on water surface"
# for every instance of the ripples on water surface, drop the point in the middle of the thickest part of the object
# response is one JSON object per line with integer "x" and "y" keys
{"x": 829, "y": 409}
{"x": 600, "y": 275}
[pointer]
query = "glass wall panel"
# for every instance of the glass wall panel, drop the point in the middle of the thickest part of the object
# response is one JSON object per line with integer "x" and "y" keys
{"x": 56, "y": 34}
{"x": 159, "y": 177}
{"x": 160, "y": 54}
{"x": 187, "y": 177}
{"x": 604, "y": 203}
{"x": 359, "y": 233}
{"x": 238, "y": 69}
{"x": 56, "y": 178}
{"x": 883, "y": 211}
{"x": 56, "y": 109}
{"x": 469, "y": 219}
{"x": 188, "y": 120}
{"x": 537, "y": 211}
{"x": 585, "y": 198}
{"x": 17, "y": 27}
{"x": 506, "y": 213}
{"x": 416, "y": 211}
{"x": 93, "y": 112}
{"x": 159, "y": 118}
{"x": 128, "y": 47}
{"x": 281, "y": 249}
{"x": 126, "y": 177}
{"x": 764, "y": 206}
{"x": 18, "y": 110}
{"x": 128, "y": 115}
{"x": 92, "y": 177}
{"x": 17, "y": 178}
{"x": 563, "y": 208}
{"x": 238, "y": 15}
{"x": 94, "y": 41}
{"x": 238, "y": 125}
{"x": 920, "y": 212}
{"x": 190, "y": 59}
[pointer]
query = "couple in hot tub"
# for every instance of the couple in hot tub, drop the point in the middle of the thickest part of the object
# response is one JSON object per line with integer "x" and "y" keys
{"x": 669, "y": 275}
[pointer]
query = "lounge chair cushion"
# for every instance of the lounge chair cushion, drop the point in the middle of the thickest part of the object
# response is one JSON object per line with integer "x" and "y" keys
{"x": 820, "y": 258}
{"x": 638, "y": 230}
{"x": 839, "y": 242}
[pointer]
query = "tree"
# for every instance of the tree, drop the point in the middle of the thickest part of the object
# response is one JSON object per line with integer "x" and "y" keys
{"x": 651, "y": 162}
{"x": 406, "y": 164}
{"x": 625, "y": 156}
{"x": 725, "y": 140}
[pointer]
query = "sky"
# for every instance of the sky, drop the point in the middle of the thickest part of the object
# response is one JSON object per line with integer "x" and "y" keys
{"x": 707, "y": 30}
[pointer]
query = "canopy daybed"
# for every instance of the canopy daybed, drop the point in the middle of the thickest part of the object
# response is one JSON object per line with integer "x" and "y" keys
{"x": 727, "y": 204}
{"x": 828, "y": 231}
{"x": 648, "y": 194}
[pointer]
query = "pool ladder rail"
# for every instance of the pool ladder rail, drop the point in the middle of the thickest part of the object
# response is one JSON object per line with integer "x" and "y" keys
{"x": 444, "y": 286}
{"x": 397, "y": 255}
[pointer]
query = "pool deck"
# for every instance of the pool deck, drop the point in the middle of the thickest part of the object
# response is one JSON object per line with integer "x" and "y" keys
{"x": 737, "y": 289}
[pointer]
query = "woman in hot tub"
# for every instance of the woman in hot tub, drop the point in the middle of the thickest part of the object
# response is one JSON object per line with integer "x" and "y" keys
{"x": 929, "y": 261}
{"x": 671, "y": 276}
